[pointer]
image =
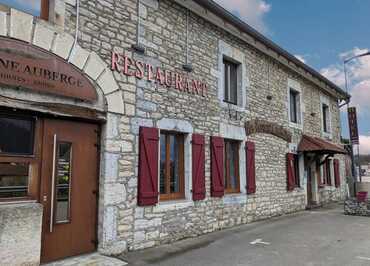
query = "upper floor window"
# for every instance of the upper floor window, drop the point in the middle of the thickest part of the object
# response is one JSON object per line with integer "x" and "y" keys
{"x": 231, "y": 82}
{"x": 171, "y": 183}
{"x": 294, "y": 106}
{"x": 231, "y": 166}
{"x": 325, "y": 118}
{"x": 37, "y": 8}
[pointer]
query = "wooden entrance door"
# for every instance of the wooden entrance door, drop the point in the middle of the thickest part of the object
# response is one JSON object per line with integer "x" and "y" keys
{"x": 69, "y": 178}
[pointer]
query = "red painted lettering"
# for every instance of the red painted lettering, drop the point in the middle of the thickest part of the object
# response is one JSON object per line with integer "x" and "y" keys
{"x": 127, "y": 63}
{"x": 168, "y": 78}
{"x": 139, "y": 70}
{"x": 159, "y": 76}
{"x": 149, "y": 69}
{"x": 178, "y": 81}
{"x": 115, "y": 62}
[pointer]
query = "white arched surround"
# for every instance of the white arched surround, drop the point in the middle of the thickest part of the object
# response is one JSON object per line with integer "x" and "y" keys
{"x": 24, "y": 27}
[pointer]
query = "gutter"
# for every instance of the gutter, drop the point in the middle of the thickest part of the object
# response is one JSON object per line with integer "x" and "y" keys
{"x": 244, "y": 27}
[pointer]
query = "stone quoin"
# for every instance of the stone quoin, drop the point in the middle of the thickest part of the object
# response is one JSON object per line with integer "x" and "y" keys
{"x": 140, "y": 152}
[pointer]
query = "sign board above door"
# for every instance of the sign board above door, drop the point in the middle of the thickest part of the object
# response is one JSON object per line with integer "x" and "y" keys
{"x": 26, "y": 66}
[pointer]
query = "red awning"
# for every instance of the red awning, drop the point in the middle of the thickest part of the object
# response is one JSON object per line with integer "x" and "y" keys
{"x": 318, "y": 145}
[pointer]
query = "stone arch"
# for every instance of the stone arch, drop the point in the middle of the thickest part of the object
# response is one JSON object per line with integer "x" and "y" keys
{"x": 21, "y": 26}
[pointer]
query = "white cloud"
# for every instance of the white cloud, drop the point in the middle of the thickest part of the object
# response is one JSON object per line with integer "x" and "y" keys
{"x": 364, "y": 144}
{"x": 301, "y": 58}
{"x": 358, "y": 78}
{"x": 251, "y": 11}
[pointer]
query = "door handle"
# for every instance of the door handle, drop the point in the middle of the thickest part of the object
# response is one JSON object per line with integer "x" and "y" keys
{"x": 53, "y": 184}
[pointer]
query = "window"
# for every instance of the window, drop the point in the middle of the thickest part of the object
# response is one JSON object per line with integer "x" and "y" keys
{"x": 327, "y": 170}
{"x": 37, "y": 8}
{"x": 231, "y": 166}
{"x": 18, "y": 157}
{"x": 294, "y": 106}
{"x": 171, "y": 183}
{"x": 296, "y": 171}
{"x": 325, "y": 118}
{"x": 231, "y": 82}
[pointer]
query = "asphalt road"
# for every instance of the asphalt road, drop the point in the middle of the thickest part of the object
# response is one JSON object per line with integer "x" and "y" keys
{"x": 318, "y": 237}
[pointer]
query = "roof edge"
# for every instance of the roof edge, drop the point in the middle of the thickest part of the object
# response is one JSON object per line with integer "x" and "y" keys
{"x": 241, "y": 25}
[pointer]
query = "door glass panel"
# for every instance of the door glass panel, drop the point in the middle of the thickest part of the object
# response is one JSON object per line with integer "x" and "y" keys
{"x": 16, "y": 135}
{"x": 174, "y": 164}
{"x": 63, "y": 182}
{"x": 162, "y": 183}
{"x": 14, "y": 180}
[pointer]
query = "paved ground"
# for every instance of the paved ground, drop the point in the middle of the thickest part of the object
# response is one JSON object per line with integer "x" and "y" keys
{"x": 93, "y": 259}
{"x": 310, "y": 238}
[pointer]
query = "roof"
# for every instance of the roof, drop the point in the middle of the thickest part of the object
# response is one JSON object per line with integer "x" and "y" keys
{"x": 232, "y": 19}
{"x": 318, "y": 145}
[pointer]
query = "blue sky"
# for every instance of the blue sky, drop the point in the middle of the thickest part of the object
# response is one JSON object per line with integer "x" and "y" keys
{"x": 29, "y": 6}
{"x": 321, "y": 33}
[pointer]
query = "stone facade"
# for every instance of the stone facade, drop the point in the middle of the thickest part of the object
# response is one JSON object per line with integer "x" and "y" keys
{"x": 353, "y": 207}
{"x": 162, "y": 32}
{"x": 112, "y": 25}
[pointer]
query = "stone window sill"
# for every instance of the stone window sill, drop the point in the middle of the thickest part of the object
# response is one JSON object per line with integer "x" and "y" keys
{"x": 173, "y": 205}
{"x": 233, "y": 107}
{"x": 15, "y": 202}
{"x": 235, "y": 198}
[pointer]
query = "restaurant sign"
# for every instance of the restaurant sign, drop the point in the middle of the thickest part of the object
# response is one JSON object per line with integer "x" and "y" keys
{"x": 26, "y": 66}
{"x": 141, "y": 70}
{"x": 262, "y": 126}
{"x": 353, "y": 127}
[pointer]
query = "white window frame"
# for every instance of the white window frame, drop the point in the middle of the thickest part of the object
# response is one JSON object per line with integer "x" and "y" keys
{"x": 296, "y": 86}
{"x": 232, "y": 54}
{"x": 325, "y": 100}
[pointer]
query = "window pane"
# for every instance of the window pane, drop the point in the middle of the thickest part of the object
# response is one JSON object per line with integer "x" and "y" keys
{"x": 325, "y": 117}
{"x": 14, "y": 180}
{"x": 232, "y": 163}
{"x": 227, "y": 79}
{"x": 296, "y": 169}
{"x": 174, "y": 164}
{"x": 29, "y": 6}
{"x": 162, "y": 177}
{"x": 233, "y": 83}
{"x": 63, "y": 182}
{"x": 293, "y": 107}
{"x": 16, "y": 135}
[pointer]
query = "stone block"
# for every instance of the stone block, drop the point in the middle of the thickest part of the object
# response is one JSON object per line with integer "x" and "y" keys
{"x": 3, "y": 24}
{"x": 79, "y": 57}
{"x": 114, "y": 193}
{"x": 63, "y": 45}
{"x": 20, "y": 234}
{"x": 43, "y": 36}
{"x": 94, "y": 66}
{"x": 107, "y": 82}
{"x": 21, "y": 25}
{"x": 110, "y": 167}
{"x": 115, "y": 102}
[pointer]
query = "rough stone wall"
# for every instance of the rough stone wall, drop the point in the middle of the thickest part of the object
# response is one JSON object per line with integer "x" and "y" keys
{"x": 20, "y": 234}
{"x": 111, "y": 25}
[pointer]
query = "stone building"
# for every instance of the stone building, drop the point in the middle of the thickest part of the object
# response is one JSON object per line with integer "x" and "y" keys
{"x": 130, "y": 124}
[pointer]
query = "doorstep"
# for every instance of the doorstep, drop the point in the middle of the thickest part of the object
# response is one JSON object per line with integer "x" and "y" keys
{"x": 93, "y": 259}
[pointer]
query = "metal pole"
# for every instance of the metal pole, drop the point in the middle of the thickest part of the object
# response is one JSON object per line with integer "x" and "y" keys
{"x": 359, "y": 163}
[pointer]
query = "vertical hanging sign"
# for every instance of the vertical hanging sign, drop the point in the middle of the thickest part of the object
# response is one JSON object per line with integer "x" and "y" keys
{"x": 352, "y": 125}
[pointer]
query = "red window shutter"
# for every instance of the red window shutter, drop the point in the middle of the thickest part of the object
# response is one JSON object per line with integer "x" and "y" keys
{"x": 290, "y": 172}
{"x": 217, "y": 167}
{"x": 198, "y": 167}
{"x": 336, "y": 173}
{"x": 251, "y": 167}
{"x": 148, "y": 166}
